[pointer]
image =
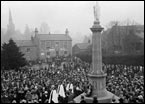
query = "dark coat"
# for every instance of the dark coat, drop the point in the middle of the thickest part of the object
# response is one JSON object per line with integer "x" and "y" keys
{"x": 83, "y": 101}
{"x": 95, "y": 101}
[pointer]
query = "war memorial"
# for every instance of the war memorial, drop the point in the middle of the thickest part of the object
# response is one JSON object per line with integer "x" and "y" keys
{"x": 44, "y": 69}
{"x": 97, "y": 77}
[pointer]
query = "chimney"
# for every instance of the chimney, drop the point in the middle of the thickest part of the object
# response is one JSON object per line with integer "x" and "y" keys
{"x": 66, "y": 31}
{"x": 36, "y": 31}
{"x": 31, "y": 37}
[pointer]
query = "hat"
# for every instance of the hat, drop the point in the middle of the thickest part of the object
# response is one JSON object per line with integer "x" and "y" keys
{"x": 45, "y": 92}
{"x": 95, "y": 97}
{"x": 23, "y": 101}
{"x": 14, "y": 101}
{"x": 35, "y": 101}
{"x": 52, "y": 86}
{"x": 82, "y": 97}
{"x": 140, "y": 97}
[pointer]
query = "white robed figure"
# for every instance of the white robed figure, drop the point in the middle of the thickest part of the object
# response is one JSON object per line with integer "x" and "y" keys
{"x": 70, "y": 86}
{"x": 67, "y": 87}
{"x": 53, "y": 96}
{"x": 61, "y": 91}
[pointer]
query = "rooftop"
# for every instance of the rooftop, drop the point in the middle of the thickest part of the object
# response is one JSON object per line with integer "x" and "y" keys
{"x": 83, "y": 45}
{"x": 54, "y": 37}
{"x": 24, "y": 43}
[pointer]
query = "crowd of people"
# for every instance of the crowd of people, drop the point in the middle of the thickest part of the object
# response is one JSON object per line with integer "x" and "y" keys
{"x": 63, "y": 79}
{"x": 127, "y": 82}
{"x": 36, "y": 83}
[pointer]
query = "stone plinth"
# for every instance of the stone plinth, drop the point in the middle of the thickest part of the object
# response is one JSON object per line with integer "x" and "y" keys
{"x": 105, "y": 99}
{"x": 99, "y": 84}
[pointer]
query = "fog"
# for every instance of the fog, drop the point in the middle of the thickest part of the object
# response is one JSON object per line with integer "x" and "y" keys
{"x": 77, "y": 16}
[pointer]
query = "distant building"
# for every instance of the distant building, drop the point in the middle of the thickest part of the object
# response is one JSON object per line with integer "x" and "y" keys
{"x": 28, "y": 48}
{"x": 45, "y": 46}
{"x": 80, "y": 47}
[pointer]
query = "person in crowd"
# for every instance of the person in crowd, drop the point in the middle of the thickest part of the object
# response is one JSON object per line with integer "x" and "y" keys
{"x": 95, "y": 100}
{"x": 82, "y": 99}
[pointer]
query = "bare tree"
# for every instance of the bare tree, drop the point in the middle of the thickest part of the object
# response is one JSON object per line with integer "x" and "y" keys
{"x": 118, "y": 32}
{"x": 44, "y": 28}
{"x": 130, "y": 37}
{"x": 112, "y": 23}
{"x": 27, "y": 32}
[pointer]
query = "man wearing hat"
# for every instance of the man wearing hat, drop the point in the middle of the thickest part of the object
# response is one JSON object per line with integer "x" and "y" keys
{"x": 45, "y": 97}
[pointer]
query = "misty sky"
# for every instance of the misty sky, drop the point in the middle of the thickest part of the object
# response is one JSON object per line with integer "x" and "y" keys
{"x": 77, "y": 16}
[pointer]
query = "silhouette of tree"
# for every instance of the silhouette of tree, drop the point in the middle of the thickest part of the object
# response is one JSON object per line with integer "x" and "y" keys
{"x": 11, "y": 57}
{"x": 44, "y": 29}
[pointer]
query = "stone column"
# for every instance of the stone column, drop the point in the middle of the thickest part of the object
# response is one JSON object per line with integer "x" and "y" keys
{"x": 97, "y": 77}
{"x": 96, "y": 48}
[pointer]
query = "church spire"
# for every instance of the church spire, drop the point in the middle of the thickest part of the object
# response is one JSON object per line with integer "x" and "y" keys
{"x": 11, "y": 24}
{"x": 10, "y": 17}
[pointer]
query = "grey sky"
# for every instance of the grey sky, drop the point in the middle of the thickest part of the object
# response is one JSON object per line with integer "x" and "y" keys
{"x": 77, "y": 16}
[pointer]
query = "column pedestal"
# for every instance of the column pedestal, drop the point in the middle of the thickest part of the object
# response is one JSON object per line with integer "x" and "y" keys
{"x": 99, "y": 84}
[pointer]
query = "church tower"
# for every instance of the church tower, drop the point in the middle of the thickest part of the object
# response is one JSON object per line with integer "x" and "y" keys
{"x": 11, "y": 26}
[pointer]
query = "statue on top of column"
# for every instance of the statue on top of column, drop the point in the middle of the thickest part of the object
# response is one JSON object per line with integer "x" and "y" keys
{"x": 97, "y": 12}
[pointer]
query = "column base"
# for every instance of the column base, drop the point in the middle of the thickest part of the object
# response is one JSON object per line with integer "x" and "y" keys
{"x": 99, "y": 84}
{"x": 105, "y": 99}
